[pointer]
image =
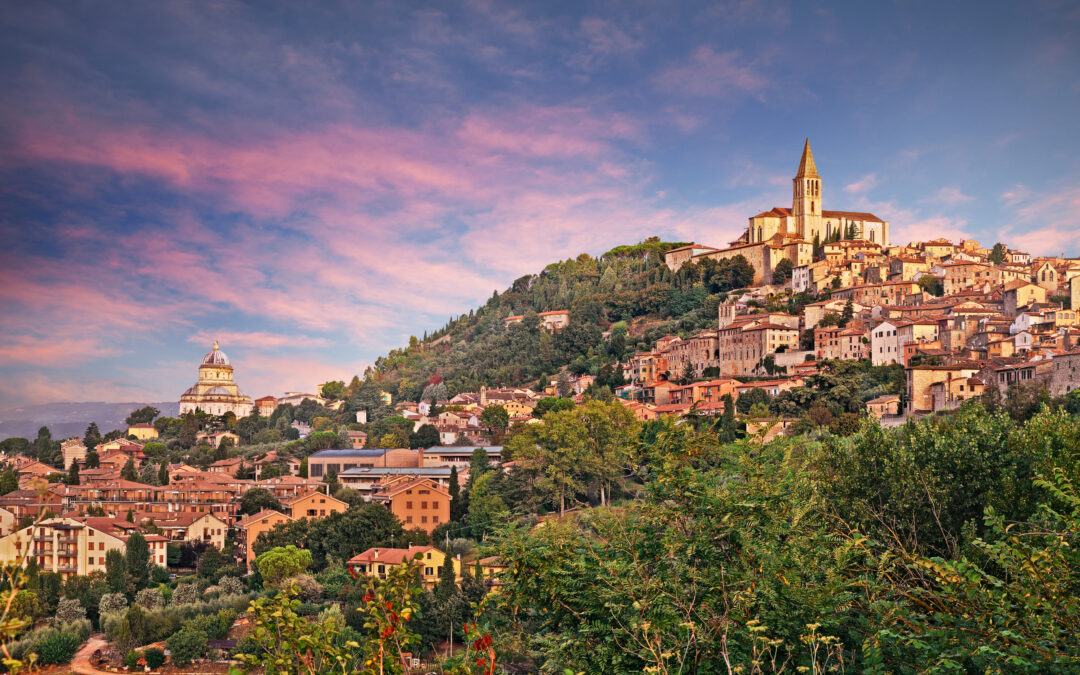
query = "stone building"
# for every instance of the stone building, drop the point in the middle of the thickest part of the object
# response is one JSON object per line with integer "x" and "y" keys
{"x": 215, "y": 392}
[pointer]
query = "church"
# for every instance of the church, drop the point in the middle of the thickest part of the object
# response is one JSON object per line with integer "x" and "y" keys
{"x": 215, "y": 393}
{"x": 808, "y": 221}
{"x": 792, "y": 234}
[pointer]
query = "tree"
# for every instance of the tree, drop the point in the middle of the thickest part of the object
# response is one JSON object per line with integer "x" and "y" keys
{"x": 92, "y": 437}
{"x": 997, "y": 255}
{"x": 142, "y": 416}
{"x": 427, "y": 436}
{"x": 281, "y": 563}
{"x": 128, "y": 472}
{"x": 115, "y": 570}
{"x": 210, "y": 562}
{"x": 73, "y": 473}
{"x": 495, "y": 418}
{"x": 479, "y": 464}
{"x": 163, "y": 474}
{"x": 137, "y": 560}
{"x": 186, "y": 645}
{"x": 112, "y": 603}
{"x": 68, "y": 610}
{"x": 848, "y": 314}
{"x": 303, "y": 472}
{"x": 728, "y": 431}
{"x": 931, "y": 284}
{"x": 189, "y": 431}
{"x": 457, "y": 508}
{"x": 8, "y": 482}
{"x": 487, "y": 510}
{"x": 258, "y": 499}
{"x": 333, "y": 390}
{"x": 562, "y": 385}
{"x": 93, "y": 460}
{"x": 782, "y": 272}
{"x": 331, "y": 480}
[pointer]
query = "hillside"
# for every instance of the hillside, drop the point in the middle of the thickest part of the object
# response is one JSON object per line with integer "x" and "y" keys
{"x": 618, "y": 302}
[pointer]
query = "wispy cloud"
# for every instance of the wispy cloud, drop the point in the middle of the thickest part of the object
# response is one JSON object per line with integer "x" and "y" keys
{"x": 711, "y": 74}
{"x": 864, "y": 184}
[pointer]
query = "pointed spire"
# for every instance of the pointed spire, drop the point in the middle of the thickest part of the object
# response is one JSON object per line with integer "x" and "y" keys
{"x": 806, "y": 164}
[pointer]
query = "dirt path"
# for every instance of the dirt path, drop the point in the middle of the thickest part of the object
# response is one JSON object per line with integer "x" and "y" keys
{"x": 81, "y": 663}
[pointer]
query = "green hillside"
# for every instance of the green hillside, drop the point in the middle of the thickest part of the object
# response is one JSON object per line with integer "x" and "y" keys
{"x": 627, "y": 291}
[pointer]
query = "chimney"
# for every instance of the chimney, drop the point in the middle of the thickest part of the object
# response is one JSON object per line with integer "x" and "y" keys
{"x": 376, "y": 556}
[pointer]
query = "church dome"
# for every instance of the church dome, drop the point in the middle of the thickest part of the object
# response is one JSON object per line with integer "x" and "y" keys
{"x": 216, "y": 357}
{"x": 217, "y": 391}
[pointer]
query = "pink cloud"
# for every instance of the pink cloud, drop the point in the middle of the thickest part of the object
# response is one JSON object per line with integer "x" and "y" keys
{"x": 864, "y": 184}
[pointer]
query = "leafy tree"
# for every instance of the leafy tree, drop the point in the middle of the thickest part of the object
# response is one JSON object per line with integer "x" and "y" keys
{"x": 487, "y": 510}
{"x": 93, "y": 460}
{"x": 112, "y": 603}
{"x": 848, "y": 313}
{"x": 997, "y": 255}
{"x": 495, "y": 418}
{"x": 189, "y": 430}
{"x": 331, "y": 480}
{"x": 782, "y": 272}
{"x": 932, "y": 285}
{"x": 186, "y": 645}
{"x": 128, "y": 471}
{"x": 281, "y": 563}
{"x": 258, "y": 499}
{"x": 562, "y": 385}
{"x": 115, "y": 570}
{"x": 426, "y": 436}
{"x": 144, "y": 415}
{"x": 551, "y": 404}
{"x": 333, "y": 390}
{"x": 136, "y": 560}
{"x": 8, "y": 481}
{"x": 728, "y": 430}
{"x": 68, "y": 610}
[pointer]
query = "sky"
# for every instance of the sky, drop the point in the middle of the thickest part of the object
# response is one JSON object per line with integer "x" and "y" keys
{"x": 310, "y": 183}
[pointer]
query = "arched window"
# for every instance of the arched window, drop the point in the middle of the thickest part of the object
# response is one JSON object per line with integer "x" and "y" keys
{"x": 811, "y": 207}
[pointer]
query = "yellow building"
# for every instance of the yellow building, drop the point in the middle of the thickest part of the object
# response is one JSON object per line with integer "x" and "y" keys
{"x": 314, "y": 505}
{"x": 215, "y": 392}
{"x": 254, "y": 525}
{"x": 143, "y": 432}
{"x": 69, "y": 546}
{"x": 378, "y": 562}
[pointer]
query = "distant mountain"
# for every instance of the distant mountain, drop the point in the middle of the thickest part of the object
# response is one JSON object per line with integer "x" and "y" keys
{"x": 71, "y": 419}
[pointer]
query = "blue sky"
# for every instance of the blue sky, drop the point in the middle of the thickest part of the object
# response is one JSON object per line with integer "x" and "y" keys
{"x": 311, "y": 183}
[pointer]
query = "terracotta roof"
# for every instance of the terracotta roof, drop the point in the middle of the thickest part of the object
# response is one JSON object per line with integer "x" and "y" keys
{"x": 261, "y": 515}
{"x": 390, "y": 556}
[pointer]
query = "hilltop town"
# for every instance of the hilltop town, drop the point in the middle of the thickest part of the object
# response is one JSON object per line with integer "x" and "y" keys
{"x": 810, "y": 325}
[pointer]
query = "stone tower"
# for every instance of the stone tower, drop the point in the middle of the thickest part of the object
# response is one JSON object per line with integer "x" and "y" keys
{"x": 806, "y": 197}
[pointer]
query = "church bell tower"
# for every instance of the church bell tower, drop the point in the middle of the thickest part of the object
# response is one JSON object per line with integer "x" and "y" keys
{"x": 806, "y": 197}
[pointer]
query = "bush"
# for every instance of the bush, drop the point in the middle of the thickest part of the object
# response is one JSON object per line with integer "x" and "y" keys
{"x": 185, "y": 594}
{"x": 58, "y": 647}
{"x": 68, "y": 611}
{"x": 309, "y": 589}
{"x": 150, "y": 598}
{"x": 131, "y": 659}
{"x": 186, "y": 645}
{"x": 231, "y": 586}
{"x": 155, "y": 658}
{"x": 111, "y": 603}
{"x": 32, "y": 641}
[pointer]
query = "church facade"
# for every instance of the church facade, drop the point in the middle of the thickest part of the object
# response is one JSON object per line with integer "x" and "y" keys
{"x": 808, "y": 221}
{"x": 215, "y": 393}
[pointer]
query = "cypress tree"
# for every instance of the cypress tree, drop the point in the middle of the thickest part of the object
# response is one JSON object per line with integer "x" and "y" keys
{"x": 163, "y": 474}
{"x": 73, "y": 473}
{"x": 456, "y": 507}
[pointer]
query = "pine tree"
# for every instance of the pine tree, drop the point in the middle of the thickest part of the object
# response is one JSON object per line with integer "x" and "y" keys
{"x": 189, "y": 431}
{"x": 163, "y": 474}
{"x": 128, "y": 472}
{"x": 73, "y": 473}
{"x": 93, "y": 460}
{"x": 447, "y": 585}
{"x": 849, "y": 313}
{"x": 456, "y": 507}
{"x": 92, "y": 437}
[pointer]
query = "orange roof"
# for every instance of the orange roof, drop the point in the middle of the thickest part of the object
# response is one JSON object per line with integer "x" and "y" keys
{"x": 261, "y": 515}
{"x": 390, "y": 556}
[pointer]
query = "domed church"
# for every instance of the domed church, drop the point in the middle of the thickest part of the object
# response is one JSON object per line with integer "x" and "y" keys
{"x": 215, "y": 393}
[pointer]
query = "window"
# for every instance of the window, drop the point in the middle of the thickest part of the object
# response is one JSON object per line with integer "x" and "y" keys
{"x": 423, "y": 505}
{"x": 423, "y": 519}
{"x": 408, "y": 505}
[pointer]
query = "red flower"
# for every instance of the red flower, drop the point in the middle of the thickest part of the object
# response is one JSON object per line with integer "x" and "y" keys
{"x": 481, "y": 662}
{"x": 367, "y": 598}
{"x": 389, "y": 605}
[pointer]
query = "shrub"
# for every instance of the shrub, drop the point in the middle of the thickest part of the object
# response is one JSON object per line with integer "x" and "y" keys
{"x": 68, "y": 611}
{"x": 155, "y": 658}
{"x": 186, "y": 645}
{"x": 231, "y": 586}
{"x": 32, "y": 641}
{"x": 58, "y": 647}
{"x": 131, "y": 659}
{"x": 309, "y": 588}
{"x": 111, "y": 603}
{"x": 185, "y": 594}
{"x": 150, "y": 598}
